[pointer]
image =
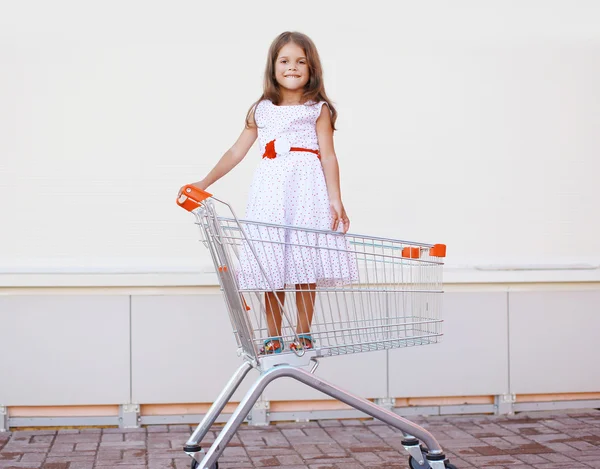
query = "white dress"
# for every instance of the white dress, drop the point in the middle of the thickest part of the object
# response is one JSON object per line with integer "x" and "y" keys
{"x": 290, "y": 190}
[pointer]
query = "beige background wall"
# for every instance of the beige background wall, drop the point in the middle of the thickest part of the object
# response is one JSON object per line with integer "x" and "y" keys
{"x": 469, "y": 123}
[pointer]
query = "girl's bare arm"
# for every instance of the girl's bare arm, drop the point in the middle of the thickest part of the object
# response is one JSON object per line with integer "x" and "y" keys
{"x": 231, "y": 158}
{"x": 331, "y": 169}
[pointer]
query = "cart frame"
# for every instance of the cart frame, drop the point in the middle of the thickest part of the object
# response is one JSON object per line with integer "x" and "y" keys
{"x": 290, "y": 364}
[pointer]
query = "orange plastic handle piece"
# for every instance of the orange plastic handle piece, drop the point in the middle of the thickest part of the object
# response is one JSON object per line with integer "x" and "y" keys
{"x": 438, "y": 250}
{"x": 411, "y": 252}
{"x": 190, "y": 197}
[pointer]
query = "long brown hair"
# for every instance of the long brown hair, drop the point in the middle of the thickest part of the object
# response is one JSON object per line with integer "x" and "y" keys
{"x": 313, "y": 91}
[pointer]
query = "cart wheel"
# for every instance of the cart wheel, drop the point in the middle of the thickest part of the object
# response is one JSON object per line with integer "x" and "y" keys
{"x": 415, "y": 465}
{"x": 196, "y": 464}
{"x": 412, "y": 462}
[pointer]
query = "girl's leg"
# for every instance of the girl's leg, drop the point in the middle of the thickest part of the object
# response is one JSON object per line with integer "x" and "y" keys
{"x": 305, "y": 302}
{"x": 273, "y": 309}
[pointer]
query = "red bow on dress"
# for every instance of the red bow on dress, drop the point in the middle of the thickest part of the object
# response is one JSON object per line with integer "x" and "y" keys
{"x": 271, "y": 153}
{"x": 270, "y": 150}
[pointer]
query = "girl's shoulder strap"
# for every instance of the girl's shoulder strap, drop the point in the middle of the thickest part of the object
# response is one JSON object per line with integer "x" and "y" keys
{"x": 318, "y": 106}
{"x": 260, "y": 104}
{"x": 260, "y": 110}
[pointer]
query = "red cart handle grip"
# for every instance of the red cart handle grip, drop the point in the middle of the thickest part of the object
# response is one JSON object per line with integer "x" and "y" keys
{"x": 190, "y": 197}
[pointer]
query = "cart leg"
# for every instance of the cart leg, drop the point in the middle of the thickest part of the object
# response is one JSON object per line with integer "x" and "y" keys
{"x": 435, "y": 456}
{"x": 236, "y": 419}
{"x": 375, "y": 411}
{"x": 193, "y": 444}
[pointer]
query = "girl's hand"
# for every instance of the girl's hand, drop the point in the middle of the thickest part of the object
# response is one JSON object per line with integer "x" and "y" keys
{"x": 338, "y": 214}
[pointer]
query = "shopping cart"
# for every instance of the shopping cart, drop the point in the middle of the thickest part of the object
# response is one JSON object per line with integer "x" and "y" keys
{"x": 358, "y": 294}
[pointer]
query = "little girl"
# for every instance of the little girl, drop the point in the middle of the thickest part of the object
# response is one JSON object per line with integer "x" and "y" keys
{"x": 296, "y": 184}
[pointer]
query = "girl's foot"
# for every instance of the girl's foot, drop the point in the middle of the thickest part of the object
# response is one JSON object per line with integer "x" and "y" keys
{"x": 272, "y": 345}
{"x": 304, "y": 342}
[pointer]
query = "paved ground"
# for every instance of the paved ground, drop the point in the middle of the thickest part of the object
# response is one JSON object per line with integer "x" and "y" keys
{"x": 533, "y": 440}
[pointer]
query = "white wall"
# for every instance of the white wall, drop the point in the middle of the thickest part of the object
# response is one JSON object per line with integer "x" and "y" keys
{"x": 166, "y": 348}
{"x": 469, "y": 123}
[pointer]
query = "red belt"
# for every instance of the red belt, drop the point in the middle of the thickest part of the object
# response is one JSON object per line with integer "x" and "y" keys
{"x": 271, "y": 153}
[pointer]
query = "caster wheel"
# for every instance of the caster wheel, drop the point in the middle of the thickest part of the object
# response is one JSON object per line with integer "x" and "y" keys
{"x": 412, "y": 462}
{"x": 415, "y": 465}
{"x": 196, "y": 465}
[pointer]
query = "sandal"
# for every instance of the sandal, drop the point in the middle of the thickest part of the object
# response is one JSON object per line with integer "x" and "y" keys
{"x": 304, "y": 342}
{"x": 272, "y": 345}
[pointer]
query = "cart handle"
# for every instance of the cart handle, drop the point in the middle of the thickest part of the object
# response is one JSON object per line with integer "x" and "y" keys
{"x": 190, "y": 197}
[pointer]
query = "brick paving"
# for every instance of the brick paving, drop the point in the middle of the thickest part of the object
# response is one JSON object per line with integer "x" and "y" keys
{"x": 541, "y": 440}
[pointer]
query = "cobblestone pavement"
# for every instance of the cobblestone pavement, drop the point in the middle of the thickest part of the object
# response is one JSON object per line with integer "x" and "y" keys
{"x": 540, "y": 440}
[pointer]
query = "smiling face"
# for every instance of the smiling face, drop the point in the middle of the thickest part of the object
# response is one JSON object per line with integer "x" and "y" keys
{"x": 291, "y": 67}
